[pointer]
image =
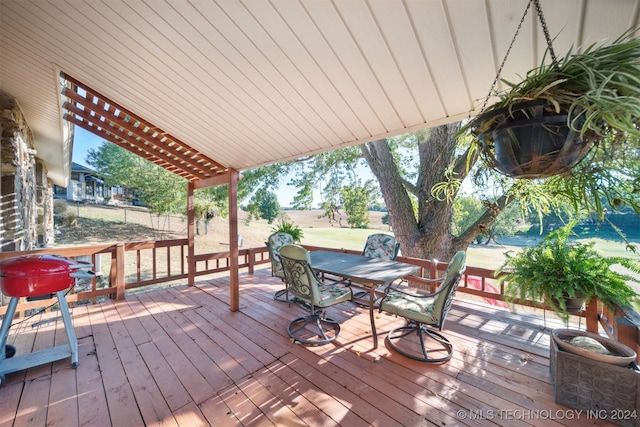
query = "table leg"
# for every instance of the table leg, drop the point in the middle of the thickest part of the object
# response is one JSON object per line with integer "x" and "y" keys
{"x": 372, "y": 293}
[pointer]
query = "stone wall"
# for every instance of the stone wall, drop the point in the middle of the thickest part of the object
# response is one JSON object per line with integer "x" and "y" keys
{"x": 26, "y": 197}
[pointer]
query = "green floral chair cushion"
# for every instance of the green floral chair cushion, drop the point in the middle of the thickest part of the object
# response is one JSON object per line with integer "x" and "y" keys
{"x": 428, "y": 309}
{"x": 381, "y": 246}
{"x": 412, "y": 307}
{"x": 274, "y": 243}
{"x": 331, "y": 294}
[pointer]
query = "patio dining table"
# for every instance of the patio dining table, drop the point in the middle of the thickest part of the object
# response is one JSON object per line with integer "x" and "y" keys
{"x": 366, "y": 271}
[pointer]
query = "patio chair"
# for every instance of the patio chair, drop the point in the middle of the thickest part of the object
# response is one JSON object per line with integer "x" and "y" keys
{"x": 274, "y": 242}
{"x": 424, "y": 313}
{"x": 378, "y": 245}
{"x": 381, "y": 246}
{"x": 303, "y": 283}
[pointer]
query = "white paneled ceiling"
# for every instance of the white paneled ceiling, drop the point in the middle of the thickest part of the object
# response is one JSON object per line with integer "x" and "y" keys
{"x": 253, "y": 82}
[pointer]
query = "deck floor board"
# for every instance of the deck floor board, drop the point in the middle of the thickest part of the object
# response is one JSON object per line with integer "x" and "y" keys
{"x": 178, "y": 356}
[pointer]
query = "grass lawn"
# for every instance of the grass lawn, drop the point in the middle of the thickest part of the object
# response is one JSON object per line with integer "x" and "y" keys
{"x": 102, "y": 224}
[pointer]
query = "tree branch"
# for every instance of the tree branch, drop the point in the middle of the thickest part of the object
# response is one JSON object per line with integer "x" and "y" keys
{"x": 486, "y": 219}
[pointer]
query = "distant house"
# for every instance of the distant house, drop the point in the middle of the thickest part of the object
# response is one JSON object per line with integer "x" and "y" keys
{"x": 84, "y": 186}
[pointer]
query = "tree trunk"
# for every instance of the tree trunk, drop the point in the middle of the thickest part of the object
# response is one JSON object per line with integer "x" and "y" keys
{"x": 426, "y": 234}
{"x": 401, "y": 218}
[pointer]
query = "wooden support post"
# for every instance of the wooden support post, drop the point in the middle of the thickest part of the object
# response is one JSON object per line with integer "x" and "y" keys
{"x": 627, "y": 334}
{"x": 433, "y": 274}
{"x": 234, "y": 280}
{"x": 251, "y": 254}
{"x": 591, "y": 315}
{"x": 119, "y": 272}
{"x": 191, "y": 248}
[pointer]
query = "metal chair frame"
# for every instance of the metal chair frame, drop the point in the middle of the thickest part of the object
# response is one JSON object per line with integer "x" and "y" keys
{"x": 276, "y": 264}
{"x": 441, "y": 299}
{"x": 315, "y": 296}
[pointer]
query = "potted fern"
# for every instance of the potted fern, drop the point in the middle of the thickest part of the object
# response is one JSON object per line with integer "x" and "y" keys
{"x": 286, "y": 226}
{"x": 557, "y": 272}
{"x": 545, "y": 125}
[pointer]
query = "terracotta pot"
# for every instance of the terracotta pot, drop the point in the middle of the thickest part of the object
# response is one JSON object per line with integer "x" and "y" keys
{"x": 621, "y": 355}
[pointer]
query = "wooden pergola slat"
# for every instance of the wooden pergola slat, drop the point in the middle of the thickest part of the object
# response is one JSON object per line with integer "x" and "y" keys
{"x": 135, "y": 134}
{"x": 90, "y": 110}
{"x": 122, "y": 138}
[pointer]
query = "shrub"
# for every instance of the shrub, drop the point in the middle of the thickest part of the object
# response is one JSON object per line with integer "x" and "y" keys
{"x": 68, "y": 218}
{"x": 60, "y": 206}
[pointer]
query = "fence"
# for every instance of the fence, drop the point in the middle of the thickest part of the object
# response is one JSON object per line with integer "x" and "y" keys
{"x": 129, "y": 266}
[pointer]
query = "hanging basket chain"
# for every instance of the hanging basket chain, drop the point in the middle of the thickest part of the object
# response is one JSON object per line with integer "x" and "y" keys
{"x": 545, "y": 30}
{"x": 504, "y": 60}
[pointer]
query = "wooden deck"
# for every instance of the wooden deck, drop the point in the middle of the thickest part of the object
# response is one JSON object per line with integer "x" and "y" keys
{"x": 179, "y": 357}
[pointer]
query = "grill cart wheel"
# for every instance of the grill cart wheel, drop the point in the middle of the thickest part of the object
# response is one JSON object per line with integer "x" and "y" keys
{"x": 9, "y": 351}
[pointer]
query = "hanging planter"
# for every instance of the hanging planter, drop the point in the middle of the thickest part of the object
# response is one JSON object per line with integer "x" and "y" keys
{"x": 546, "y": 124}
{"x": 529, "y": 140}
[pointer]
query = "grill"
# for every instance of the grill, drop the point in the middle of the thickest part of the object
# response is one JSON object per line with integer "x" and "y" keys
{"x": 37, "y": 277}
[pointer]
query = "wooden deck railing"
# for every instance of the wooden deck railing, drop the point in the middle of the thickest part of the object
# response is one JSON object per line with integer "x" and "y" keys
{"x": 127, "y": 266}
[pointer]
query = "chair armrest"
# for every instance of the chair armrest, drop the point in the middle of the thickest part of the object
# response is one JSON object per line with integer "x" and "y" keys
{"x": 395, "y": 286}
{"x": 437, "y": 279}
{"x": 413, "y": 293}
{"x": 338, "y": 282}
{"x": 320, "y": 278}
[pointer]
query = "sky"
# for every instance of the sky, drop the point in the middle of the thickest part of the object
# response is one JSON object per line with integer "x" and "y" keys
{"x": 82, "y": 142}
{"x": 85, "y": 140}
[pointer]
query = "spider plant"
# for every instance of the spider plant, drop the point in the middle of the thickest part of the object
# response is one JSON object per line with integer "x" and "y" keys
{"x": 599, "y": 90}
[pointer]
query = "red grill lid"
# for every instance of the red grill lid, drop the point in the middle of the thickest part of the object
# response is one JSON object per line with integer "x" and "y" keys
{"x": 33, "y": 275}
